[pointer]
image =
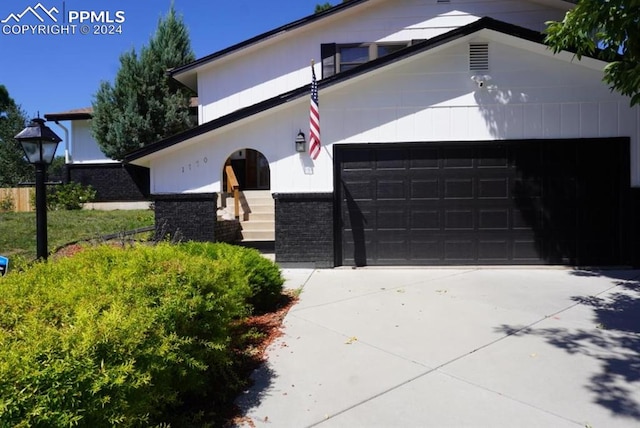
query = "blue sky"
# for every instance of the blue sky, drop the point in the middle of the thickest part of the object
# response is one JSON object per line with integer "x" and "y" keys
{"x": 54, "y": 73}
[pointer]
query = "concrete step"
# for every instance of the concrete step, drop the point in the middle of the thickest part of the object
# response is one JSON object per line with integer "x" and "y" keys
{"x": 258, "y": 235}
{"x": 261, "y": 216}
{"x": 257, "y": 225}
{"x": 258, "y": 193}
{"x": 255, "y": 208}
{"x": 257, "y": 215}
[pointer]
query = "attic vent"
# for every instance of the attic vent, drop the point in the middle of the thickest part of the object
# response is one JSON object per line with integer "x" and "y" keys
{"x": 478, "y": 56}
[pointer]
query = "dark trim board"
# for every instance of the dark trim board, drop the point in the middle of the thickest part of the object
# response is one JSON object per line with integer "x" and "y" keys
{"x": 484, "y": 203}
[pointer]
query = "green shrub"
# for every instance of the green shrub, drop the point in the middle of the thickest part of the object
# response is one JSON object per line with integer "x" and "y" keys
{"x": 117, "y": 336}
{"x": 264, "y": 276}
{"x": 7, "y": 203}
{"x": 70, "y": 196}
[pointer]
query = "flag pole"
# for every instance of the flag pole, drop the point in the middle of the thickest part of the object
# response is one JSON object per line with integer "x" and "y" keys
{"x": 314, "y": 123}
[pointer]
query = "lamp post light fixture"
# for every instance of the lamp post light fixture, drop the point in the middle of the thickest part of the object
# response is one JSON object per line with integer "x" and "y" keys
{"x": 39, "y": 143}
{"x": 301, "y": 142}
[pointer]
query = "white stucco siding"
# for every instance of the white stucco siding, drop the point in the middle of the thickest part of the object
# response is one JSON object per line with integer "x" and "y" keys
{"x": 430, "y": 97}
{"x": 198, "y": 166}
{"x": 84, "y": 148}
{"x": 281, "y": 64}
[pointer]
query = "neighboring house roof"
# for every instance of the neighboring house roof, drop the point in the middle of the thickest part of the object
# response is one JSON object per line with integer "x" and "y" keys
{"x": 182, "y": 73}
{"x": 87, "y": 112}
{"x": 481, "y": 24}
{"x": 75, "y": 114}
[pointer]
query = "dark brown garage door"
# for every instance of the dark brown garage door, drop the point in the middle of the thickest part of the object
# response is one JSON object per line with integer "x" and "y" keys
{"x": 516, "y": 202}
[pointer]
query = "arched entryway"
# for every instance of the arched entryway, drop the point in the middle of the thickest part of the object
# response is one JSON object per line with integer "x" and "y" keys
{"x": 252, "y": 203}
{"x": 251, "y": 168}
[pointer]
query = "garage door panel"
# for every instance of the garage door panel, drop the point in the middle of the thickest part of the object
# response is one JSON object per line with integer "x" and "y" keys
{"x": 426, "y": 251}
{"x": 428, "y": 189}
{"x": 458, "y": 158}
{"x": 493, "y": 250}
{"x": 494, "y": 219}
{"x": 391, "y": 158}
{"x": 357, "y": 159}
{"x": 526, "y": 250}
{"x": 527, "y": 218}
{"x": 524, "y": 202}
{"x": 359, "y": 190}
{"x": 390, "y": 218}
{"x": 392, "y": 245}
{"x": 426, "y": 219}
{"x": 455, "y": 220}
{"x": 493, "y": 157}
{"x": 459, "y": 188}
{"x": 359, "y": 216}
{"x": 460, "y": 251}
{"x": 424, "y": 159}
{"x": 494, "y": 188}
{"x": 390, "y": 189}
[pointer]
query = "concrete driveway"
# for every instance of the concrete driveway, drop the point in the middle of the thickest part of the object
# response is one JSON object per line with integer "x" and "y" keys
{"x": 458, "y": 347}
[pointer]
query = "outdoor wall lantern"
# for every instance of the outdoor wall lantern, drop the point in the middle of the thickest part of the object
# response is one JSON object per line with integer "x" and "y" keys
{"x": 301, "y": 142}
{"x": 39, "y": 143}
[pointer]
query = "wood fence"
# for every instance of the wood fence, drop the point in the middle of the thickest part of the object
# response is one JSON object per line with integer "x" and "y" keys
{"x": 17, "y": 199}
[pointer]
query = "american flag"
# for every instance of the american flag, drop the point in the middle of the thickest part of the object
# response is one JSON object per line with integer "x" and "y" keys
{"x": 314, "y": 123}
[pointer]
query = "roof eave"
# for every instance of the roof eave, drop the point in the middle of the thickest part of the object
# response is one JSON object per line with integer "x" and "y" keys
{"x": 70, "y": 115}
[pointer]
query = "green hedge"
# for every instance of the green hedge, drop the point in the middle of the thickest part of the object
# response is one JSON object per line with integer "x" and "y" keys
{"x": 122, "y": 337}
{"x": 263, "y": 275}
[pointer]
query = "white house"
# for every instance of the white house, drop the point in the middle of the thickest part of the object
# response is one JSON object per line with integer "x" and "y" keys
{"x": 450, "y": 135}
{"x": 117, "y": 185}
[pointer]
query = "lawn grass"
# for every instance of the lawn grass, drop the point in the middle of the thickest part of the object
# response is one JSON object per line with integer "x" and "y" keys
{"x": 18, "y": 230}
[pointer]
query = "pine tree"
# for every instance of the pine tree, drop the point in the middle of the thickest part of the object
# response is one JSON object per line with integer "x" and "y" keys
{"x": 144, "y": 105}
{"x": 13, "y": 166}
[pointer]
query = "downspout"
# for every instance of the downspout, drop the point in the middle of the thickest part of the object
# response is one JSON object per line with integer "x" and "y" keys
{"x": 67, "y": 143}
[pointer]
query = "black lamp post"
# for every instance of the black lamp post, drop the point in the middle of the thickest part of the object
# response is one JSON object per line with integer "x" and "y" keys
{"x": 39, "y": 143}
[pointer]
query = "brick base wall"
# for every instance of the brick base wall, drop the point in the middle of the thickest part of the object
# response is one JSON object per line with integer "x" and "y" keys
{"x": 189, "y": 217}
{"x": 228, "y": 231}
{"x": 113, "y": 182}
{"x": 304, "y": 229}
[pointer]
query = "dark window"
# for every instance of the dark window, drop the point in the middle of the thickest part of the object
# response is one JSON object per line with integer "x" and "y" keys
{"x": 387, "y": 49}
{"x": 337, "y": 58}
{"x": 352, "y": 56}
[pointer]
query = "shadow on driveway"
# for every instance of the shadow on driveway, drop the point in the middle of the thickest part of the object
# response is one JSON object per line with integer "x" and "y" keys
{"x": 614, "y": 341}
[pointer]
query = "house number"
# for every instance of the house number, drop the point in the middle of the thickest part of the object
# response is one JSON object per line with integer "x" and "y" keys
{"x": 194, "y": 165}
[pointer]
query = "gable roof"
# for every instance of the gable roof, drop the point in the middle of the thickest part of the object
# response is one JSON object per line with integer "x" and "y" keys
{"x": 485, "y": 23}
{"x": 190, "y": 81}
